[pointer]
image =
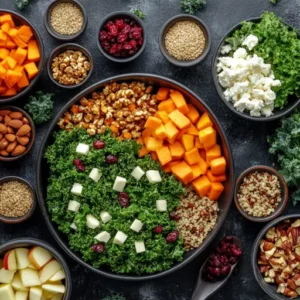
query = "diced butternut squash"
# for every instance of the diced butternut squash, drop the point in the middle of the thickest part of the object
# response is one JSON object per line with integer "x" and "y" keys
{"x": 192, "y": 156}
{"x": 192, "y": 130}
{"x": 20, "y": 55}
{"x": 164, "y": 155}
{"x": 187, "y": 142}
{"x": 179, "y": 119}
{"x": 202, "y": 153}
{"x": 10, "y": 92}
{"x": 11, "y": 62}
{"x": 4, "y": 53}
{"x": 204, "y": 122}
{"x": 147, "y": 132}
{"x": 218, "y": 166}
{"x": 7, "y": 18}
{"x": 5, "y": 27}
{"x": 193, "y": 113}
{"x": 172, "y": 132}
{"x": 153, "y": 144}
{"x": 3, "y": 89}
{"x": 179, "y": 102}
{"x": 215, "y": 178}
{"x": 154, "y": 155}
{"x": 31, "y": 70}
{"x": 176, "y": 150}
{"x": 12, "y": 77}
{"x": 10, "y": 44}
{"x": 168, "y": 106}
{"x": 198, "y": 144}
{"x": 216, "y": 190}
{"x": 2, "y": 72}
{"x": 139, "y": 140}
{"x": 202, "y": 185}
{"x": 208, "y": 137}
{"x": 24, "y": 82}
{"x": 12, "y": 32}
{"x": 3, "y": 35}
{"x": 25, "y": 33}
{"x": 12, "y": 52}
{"x": 203, "y": 165}
{"x": 213, "y": 152}
{"x": 161, "y": 132}
{"x": 168, "y": 167}
{"x": 196, "y": 171}
{"x": 162, "y": 115}
{"x": 183, "y": 172}
{"x": 153, "y": 123}
{"x": 163, "y": 94}
{"x": 143, "y": 151}
{"x": 33, "y": 51}
{"x": 181, "y": 133}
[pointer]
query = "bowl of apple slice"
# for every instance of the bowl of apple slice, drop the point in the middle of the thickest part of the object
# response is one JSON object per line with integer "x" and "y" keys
{"x": 32, "y": 269}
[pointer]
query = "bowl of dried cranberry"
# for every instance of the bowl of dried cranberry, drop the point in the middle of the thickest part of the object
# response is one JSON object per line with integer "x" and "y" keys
{"x": 121, "y": 37}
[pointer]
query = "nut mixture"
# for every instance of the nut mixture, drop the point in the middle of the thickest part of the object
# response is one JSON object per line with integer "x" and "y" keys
{"x": 70, "y": 67}
{"x": 123, "y": 107}
{"x": 259, "y": 194}
{"x": 198, "y": 216}
{"x": 279, "y": 258}
{"x": 185, "y": 40}
{"x": 15, "y": 133}
{"x": 15, "y": 199}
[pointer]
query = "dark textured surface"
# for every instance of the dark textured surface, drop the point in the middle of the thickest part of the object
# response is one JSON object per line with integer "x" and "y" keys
{"x": 247, "y": 139}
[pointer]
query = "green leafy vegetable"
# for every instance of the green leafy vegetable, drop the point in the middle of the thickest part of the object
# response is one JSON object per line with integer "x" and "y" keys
{"x": 274, "y": 1}
{"x": 21, "y": 4}
{"x": 192, "y": 6}
{"x": 140, "y": 14}
{"x": 40, "y": 107}
{"x": 285, "y": 143}
{"x": 114, "y": 297}
{"x": 100, "y": 196}
{"x": 279, "y": 46}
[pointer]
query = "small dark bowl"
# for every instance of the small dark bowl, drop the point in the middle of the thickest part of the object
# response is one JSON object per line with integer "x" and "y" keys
{"x": 168, "y": 25}
{"x": 293, "y": 102}
{"x": 284, "y": 194}
{"x": 268, "y": 288}
{"x": 17, "y": 220}
{"x": 30, "y": 242}
{"x": 32, "y": 138}
{"x": 55, "y": 34}
{"x": 116, "y": 15}
{"x": 63, "y": 48}
{"x": 21, "y": 20}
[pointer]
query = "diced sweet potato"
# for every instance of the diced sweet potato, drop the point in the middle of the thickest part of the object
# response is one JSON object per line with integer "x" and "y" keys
{"x": 176, "y": 150}
{"x": 3, "y": 35}
{"x": 213, "y": 152}
{"x": 11, "y": 62}
{"x": 12, "y": 52}
{"x": 7, "y": 18}
{"x": 25, "y": 33}
{"x": 31, "y": 70}
{"x": 12, "y": 77}
{"x": 218, "y": 166}
{"x": 33, "y": 51}
{"x": 153, "y": 144}
{"x": 179, "y": 119}
{"x": 202, "y": 153}
{"x": 163, "y": 94}
{"x": 183, "y": 172}
{"x": 216, "y": 190}
{"x": 203, "y": 165}
{"x": 147, "y": 132}
{"x": 2, "y": 72}
{"x": 10, "y": 92}
{"x": 4, "y": 53}
{"x": 153, "y": 123}
{"x": 198, "y": 144}
{"x": 202, "y": 185}
{"x": 215, "y": 178}
{"x": 204, "y": 122}
{"x": 208, "y": 137}
{"x": 20, "y": 55}
{"x": 5, "y": 27}
{"x": 179, "y": 102}
{"x": 3, "y": 89}
{"x": 192, "y": 130}
{"x": 161, "y": 132}
{"x": 181, "y": 133}
{"x": 24, "y": 82}
{"x": 143, "y": 151}
{"x": 196, "y": 171}
{"x": 10, "y": 44}
{"x": 168, "y": 167}
{"x": 168, "y": 106}
{"x": 172, "y": 132}
{"x": 192, "y": 156}
{"x": 187, "y": 142}
{"x": 193, "y": 113}
{"x": 164, "y": 155}
{"x": 162, "y": 115}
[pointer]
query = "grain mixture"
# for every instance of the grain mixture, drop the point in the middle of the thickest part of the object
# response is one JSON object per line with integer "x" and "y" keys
{"x": 15, "y": 199}
{"x": 198, "y": 216}
{"x": 185, "y": 40}
{"x": 259, "y": 194}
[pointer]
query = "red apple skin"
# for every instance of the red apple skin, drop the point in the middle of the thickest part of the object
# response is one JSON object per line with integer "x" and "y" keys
{"x": 32, "y": 260}
{"x": 5, "y": 260}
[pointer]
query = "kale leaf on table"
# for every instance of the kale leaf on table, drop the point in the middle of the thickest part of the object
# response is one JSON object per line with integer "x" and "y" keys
{"x": 114, "y": 297}
{"x": 274, "y": 1}
{"x": 21, "y": 4}
{"x": 140, "y": 14}
{"x": 191, "y": 6}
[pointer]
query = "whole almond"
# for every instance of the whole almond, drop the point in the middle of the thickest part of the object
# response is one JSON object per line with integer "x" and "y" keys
{"x": 16, "y": 115}
{"x": 10, "y": 137}
{"x": 10, "y": 130}
{"x": 1, "y": 136}
{"x": 11, "y": 147}
{"x": 18, "y": 150}
{"x": 24, "y": 130}
{"x": 15, "y": 123}
{"x": 4, "y": 112}
{"x": 7, "y": 119}
{"x": 1, "y": 119}
{"x": 3, "y": 128}
{"x": 3, "y": 144}
{"x": 25, "y": 120}
{"x": 4, "y": 153}
{"x": 23, "y": 140}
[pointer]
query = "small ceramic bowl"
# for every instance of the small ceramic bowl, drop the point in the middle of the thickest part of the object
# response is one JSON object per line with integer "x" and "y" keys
{"x": 165, "y": 29}
{"x": 32, "y": 137}
{"x": 116, "y": 15}
{"x": 54, "y": 33}
{"x": 63, "y": 48}
{"x": 21, "y": 219}
{"x": 30, "y": 242}
{"x": 284, "y": 193}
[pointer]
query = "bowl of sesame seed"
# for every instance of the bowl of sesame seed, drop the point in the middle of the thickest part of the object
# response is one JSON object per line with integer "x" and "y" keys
{"x": 17, "y": 200}
{"x": 65, "y": 20}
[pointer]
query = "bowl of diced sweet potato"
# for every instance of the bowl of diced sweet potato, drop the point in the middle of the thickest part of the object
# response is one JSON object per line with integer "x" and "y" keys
{"x": 21, "y": 56}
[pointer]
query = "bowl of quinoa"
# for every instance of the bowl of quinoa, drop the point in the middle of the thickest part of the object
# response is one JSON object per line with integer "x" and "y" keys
{"x": 17, "y": 200}
{"x": 260, "y": 194}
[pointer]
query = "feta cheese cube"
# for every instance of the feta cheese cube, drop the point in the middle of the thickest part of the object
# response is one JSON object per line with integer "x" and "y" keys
{"x": 74, "y": 206}
{"x": 161, "y": 205}
{"x": 119, "y": 184}
{"x": 139, "y": 247}
{"x": 95, "y": 174}
{"x": 77, "y": 189}
{"x": 120, "y": 238}
{"x": 153, "y": 176}
{"x": 251, "y": 41}
{"x": 226, "y": 49}
{"x": 103, "y": 236}
{"x": 137, "y": 173}
{"x": 83, "y": 149}
{"x": 105, "y": 216}
{"x": 73, "y": 226}
{"x": 136, "y": 225}
{"x": 92, "y": 222}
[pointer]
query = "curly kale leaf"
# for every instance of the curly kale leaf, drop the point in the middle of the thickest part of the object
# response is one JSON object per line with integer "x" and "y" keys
{"x": 192, "y": 6}
{"x": 140, "y": 14}
{"x": 21, "y": 4}
{"x": 274, "y": 1}
{"x": 114, "y": 296}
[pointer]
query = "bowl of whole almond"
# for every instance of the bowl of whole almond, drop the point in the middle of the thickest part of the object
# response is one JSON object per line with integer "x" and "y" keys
{"x": 17, "y": 133}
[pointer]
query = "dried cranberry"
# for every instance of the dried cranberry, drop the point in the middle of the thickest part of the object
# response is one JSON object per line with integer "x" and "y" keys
{"x": 98, "y": 248}
{"x": 99, "y": 144}
{"x": 103, "y": 35}
{"x": 214, "y": 271}
{"x": 225, "y": 270}
{"x": 122, "y": 37}
{"x": 229, "y": 238}
{"x": 127, "y": 46}
{"x": 124, "y": 202}
{"x": 120, "y": 23}
{"x": 78, "y": 163}
{"x": 172, "y": 236}
{"x": 126, "y": 29}
{"x": 233, "y": 260}
{"x": 174, "y": 216}
{"x": 236, "y": 251}
{"x": 123, "y": 195}
{"x": 223, "y": 260}
{"x": 210, "y": 278}
{"x": 215, "y": 263}
{"x": 158, "y": 229}
{"x": 111, "y": 159}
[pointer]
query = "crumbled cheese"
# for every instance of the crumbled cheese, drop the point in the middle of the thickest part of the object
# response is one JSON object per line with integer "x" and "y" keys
{"x": 251, "y": 41}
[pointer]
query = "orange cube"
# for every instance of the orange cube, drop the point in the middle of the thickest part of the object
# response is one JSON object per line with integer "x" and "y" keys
{"x": 7, "y": 18}
{"x": 215, "y": 178}
{"x": 172, "y": 132}
{"x": 203, "y": 165}
{"x": 179, "y": 102}
{"x": 33, "y": 51}
{"x": 213, "y": 152}
{"x": 164, "y": 155}
{"x": 153, "y": 144}
{"x": 152, "y": 123}
{"x": 179, "y": 119}
{"x": 187, "y": 142}
{"x": 31, "y": 70}
{"x": 3, "y": 35}
{"x": 208, "y": 137}
{"x": 143, "y": 151}
{"x": 23, "y": 81}
{"x": 218, "y": 166}
{"x": 176, "y": 150}
{"x": 162, "y": 115}
{"x": 216, "y": 191}
{"x": 198, "y": 144}
{"x": 162, "y": 94}
{"x": 168, "y": 106}
{"x": 192, "y": 156}
{"x": 192, "y": 130}
{"x": 161, "y": 132}
{"x": 5, "y": 27}
{"x": 196, "y": 171}
{"x": 183, "y": 172}
{"x": 193, "y": 113}
{"x": 204, "y": 122}
{"x": 202, "y": 185}
{"x": 20, "y": 55}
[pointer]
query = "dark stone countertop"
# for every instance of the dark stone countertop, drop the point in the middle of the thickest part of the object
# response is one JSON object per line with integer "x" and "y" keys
{"x": 247, "y": 139}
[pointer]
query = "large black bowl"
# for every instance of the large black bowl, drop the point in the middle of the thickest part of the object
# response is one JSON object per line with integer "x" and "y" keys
{"x": 224, "y": 202}
{"x": 293, "y": 102}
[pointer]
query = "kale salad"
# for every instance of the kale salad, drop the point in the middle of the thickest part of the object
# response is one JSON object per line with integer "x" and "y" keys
{"x": 93, "y": 195}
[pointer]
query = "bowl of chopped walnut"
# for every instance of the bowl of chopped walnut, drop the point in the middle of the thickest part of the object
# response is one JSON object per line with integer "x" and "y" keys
{"x": 70, "y": 65}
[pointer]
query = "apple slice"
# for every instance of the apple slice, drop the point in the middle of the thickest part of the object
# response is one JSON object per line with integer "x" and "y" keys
{"x": 48, "y": 295}
{"x": 35, "y": 293}
{"x": 6, "y": 292}
{"x": 48, "y": 270}
{"x": 29, "y": 277}
{"x": 31, "y": 266}
{"x": 22, "y": 259}
{"x": 6, "y": 276}
{"x": 54, "y": 288}
{"x": 9, "y": 261}
{"x": 57, "y": 297}
{"x": 60, "y": 275}
{"x": 17, "y": 284}
{"x": 1, "y": 263}
{"x": 39, "y": 256}
{"x": 21, "y": 295}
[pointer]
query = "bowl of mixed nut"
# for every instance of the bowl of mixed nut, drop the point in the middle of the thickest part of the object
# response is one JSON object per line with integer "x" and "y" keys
{"x": 17, "y": 133}
{"x": 70, "y": 65}
{"x": 276, "y": 258}
{"x": 260, "y": 194}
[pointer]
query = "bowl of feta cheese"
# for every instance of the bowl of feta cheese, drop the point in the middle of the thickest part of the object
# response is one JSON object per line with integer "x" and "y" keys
{"x": 248, "y": 73}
